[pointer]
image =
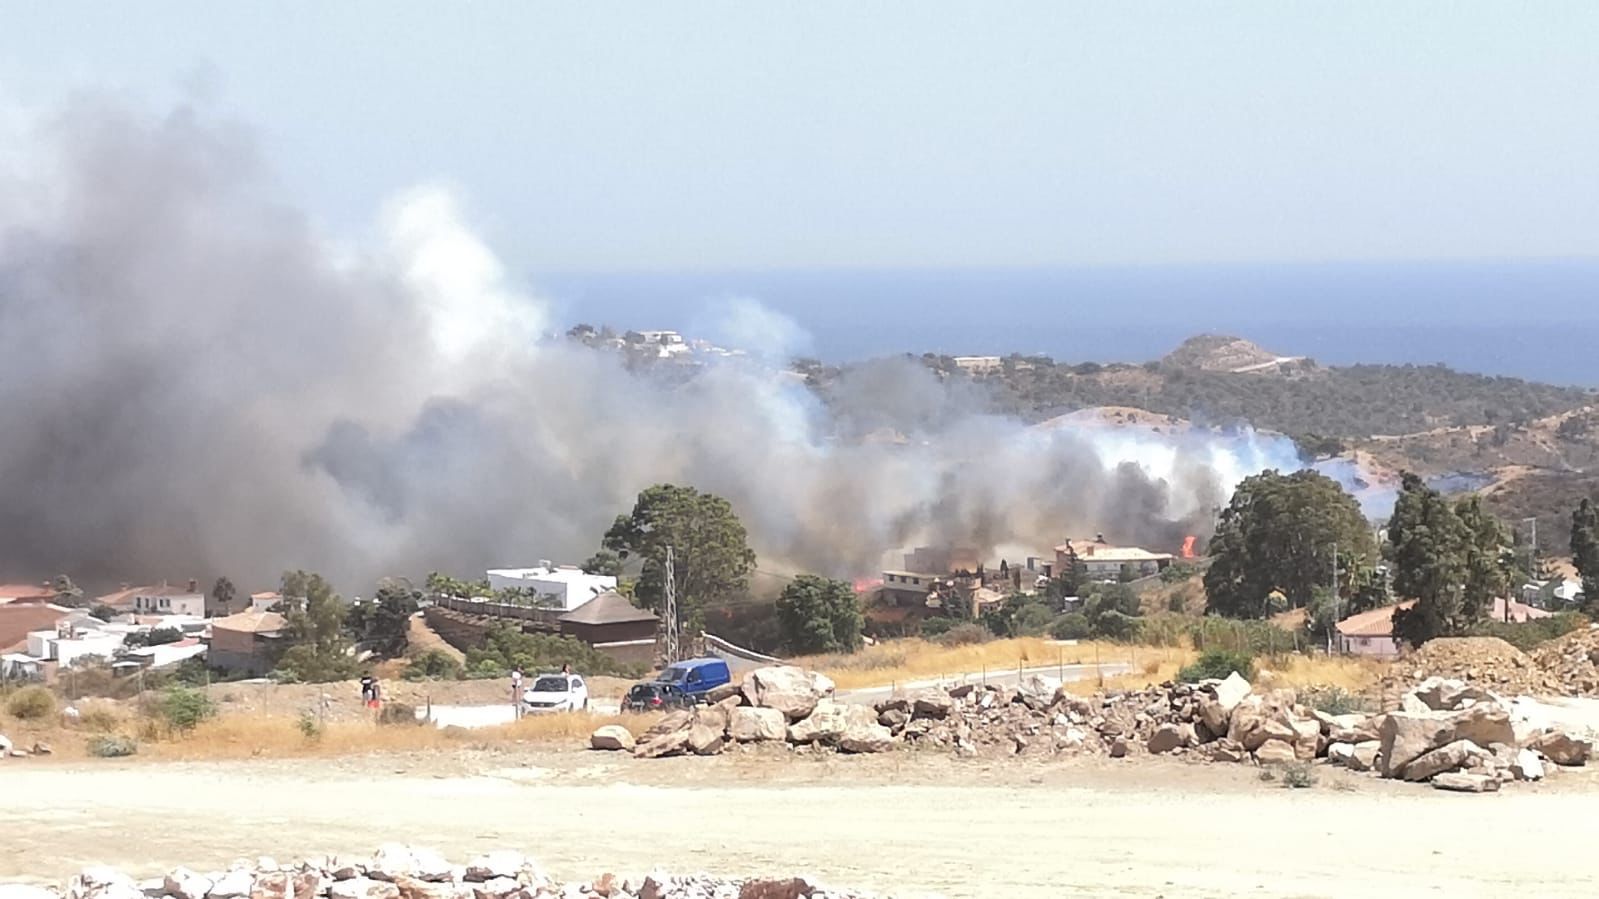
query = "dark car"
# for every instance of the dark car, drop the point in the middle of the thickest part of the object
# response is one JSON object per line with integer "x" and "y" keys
{"x": 653, "y": 697}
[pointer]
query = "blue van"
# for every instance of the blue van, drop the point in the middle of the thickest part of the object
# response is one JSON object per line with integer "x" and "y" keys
{"x": 696, "y": 677}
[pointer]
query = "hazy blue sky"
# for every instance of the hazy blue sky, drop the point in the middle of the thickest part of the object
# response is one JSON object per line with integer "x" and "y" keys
{"x": 751, "y": 135}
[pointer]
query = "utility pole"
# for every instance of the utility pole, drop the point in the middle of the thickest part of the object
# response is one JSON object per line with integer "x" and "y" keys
{"x": 1337, "y": 600}
{"x": 671, "y": 611}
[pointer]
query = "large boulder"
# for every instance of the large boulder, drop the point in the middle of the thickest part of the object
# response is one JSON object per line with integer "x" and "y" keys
{"x": 748, "y": 724}
{"x": 1231, "y": 691}
{"x": 725, "y": 692}
{"x": 1527, "y": 765}
{"x": 1406, "y": 737}
{"x": 1037, "y": 691}
{"x": 1562, "y": 748}
{"x": 1276, "y": 752}
{"x": 393, "y": 861}
{"x": 613, "y": 737}
{"x": 1340, "y": 753}
{"x": 502, "y": 864}
{"x": 1466, "y": 783}
{"x": 1449, "y": 757}
{"x": 1484, "y": 723}
{"x": 185, "y": 884}
{"x": 789, "y": 689}
{"x": 825, "y": 724}
{"x": 704, "y": 739}
{"x": 235, "y": 884}
{"x": 363, "y": 888}
{"x": 1214, "y": 715}
{"x": 1247, "y": 725}
{"x": 105, "y": 883}
{"x": 1168, "y": 737}
{"x": 1365, "y": 756}
{"x": 862, "y": 733}
{"x": 931, "y": 704}
{"x": 1447, "y": 694}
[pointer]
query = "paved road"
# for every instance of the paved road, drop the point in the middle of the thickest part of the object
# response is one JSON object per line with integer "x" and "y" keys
{"x": 1002, "y": 677}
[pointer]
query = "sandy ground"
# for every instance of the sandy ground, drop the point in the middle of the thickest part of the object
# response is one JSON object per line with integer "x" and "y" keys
{"x": 909, "y": 822}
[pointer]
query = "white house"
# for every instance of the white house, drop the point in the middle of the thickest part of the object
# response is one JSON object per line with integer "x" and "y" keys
{"x": 264, "y": 602}
{"x": 165, "y": 600}
{"x": 568, "y": 584}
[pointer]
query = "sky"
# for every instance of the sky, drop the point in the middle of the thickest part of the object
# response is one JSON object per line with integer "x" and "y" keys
{"x": 736, "y": 136}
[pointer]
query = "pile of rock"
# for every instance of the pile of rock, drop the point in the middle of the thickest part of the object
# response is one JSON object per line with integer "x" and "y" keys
{"x": 1216, "y": 719}
{"x": 401, "y": 872}
{"x": 780, "y": 704}
{"x": 9, "y": 750}
{"x": 1572, "y": 661}
{"x": 1486, "y": 661}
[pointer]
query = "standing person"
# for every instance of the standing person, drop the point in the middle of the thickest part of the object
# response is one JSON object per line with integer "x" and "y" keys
{"x": 566, "y": 669}
{"x": 377, "y": 694}
{"x": 516, "y": 690}
{"x": 367, "y": 685}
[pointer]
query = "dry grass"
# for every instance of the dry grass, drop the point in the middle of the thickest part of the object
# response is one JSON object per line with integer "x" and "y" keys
{"x": 1354, "y": 674}
{"x": 241, "y": 736}
{"x": 898, "y": 661}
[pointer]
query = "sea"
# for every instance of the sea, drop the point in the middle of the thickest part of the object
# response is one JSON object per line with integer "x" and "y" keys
{"x": 1531, "y": 319}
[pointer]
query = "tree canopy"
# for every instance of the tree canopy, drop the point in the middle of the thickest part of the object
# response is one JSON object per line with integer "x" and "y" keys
{"x": 384, "y": 621}
{"x": 1452, "y": 559}
{"x": 1276, "y": 536}
{"x": 1585, "y": 551}
{"x": 318, "y": 649}
{"x": 816, "y": 614}
{"x": 712, "y": 559}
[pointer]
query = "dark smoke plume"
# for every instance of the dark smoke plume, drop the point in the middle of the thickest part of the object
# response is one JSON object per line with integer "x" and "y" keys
{"x": 199, "y": 382}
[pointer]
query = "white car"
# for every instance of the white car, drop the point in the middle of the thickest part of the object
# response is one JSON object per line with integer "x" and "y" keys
{"x": 556, "y": 693}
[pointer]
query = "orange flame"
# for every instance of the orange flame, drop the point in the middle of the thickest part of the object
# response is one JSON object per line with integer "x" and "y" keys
{"x": 1188, "y": 547}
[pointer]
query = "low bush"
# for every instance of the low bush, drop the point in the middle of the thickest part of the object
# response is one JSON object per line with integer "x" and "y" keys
{"x": 100, "y": 721}
{"x": 1070, "y": 626}
{"x": 1299, "y": 777}
{"x": 934, "y": 628}
{"x": 111, "y": 746}
{"x": 1217, "y": 663}
{"x": 434, "y": 664}
{"x": 310, "y": 726}
{"x": 1528, "y": 635}
{"x": 182, "y": 709}
{"x": 967, "y": 634}
{"x": 31, "y": 704}
{"x": 1331, "y": 700}
{"x": 398, "y": 713}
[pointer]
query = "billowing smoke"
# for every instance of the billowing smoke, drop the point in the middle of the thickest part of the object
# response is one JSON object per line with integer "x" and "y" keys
{"x": 198, "y": 382}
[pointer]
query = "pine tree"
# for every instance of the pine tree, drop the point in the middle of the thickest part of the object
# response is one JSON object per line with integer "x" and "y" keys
{"x": 1585, "y": 552}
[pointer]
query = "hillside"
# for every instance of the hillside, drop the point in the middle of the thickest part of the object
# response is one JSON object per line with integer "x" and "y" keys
{"x": 1219, "y": 353}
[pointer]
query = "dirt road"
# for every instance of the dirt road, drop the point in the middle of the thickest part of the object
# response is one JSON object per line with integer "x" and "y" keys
{"x": 907, "y": 822}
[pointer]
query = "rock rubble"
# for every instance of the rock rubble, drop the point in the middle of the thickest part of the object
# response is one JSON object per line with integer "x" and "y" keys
{"x": 403, "y": 872}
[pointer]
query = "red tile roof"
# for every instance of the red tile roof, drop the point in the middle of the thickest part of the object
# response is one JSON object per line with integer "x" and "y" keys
{"x": 17, "y": 621}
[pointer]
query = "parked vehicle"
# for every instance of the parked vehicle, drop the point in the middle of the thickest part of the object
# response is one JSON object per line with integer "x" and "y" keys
{"x": 696, "y": 677}
{"x": 556, "y": 693}
{"x": 652, "y": 696}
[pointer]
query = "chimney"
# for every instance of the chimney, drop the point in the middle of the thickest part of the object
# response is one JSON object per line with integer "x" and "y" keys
{"x": 194, "y": 585}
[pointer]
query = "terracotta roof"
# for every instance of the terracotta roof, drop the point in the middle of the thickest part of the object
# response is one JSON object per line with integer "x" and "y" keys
{"x": 1375, "y": 623}
{"x": 609, "y": 607}
{"x": 9, "y": 592}
{"x": 252, "y": 623}
{"x": 122, "y": 598}
{"x": 17, "y": 621}
{"x": 1519, "y": 612}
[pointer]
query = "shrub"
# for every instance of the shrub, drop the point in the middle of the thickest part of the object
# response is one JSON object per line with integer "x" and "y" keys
{"x": 934, "y": 628}
{"x": 1070, "y": 626}
{"x": 110, "y": 746}
{"x": 183, "y": 709}
{"x": 1299, "y": 777}
{"x": 967, "y": 634}
{"x": 433, "y": 664}
{"x": 401, "y": 713}
{"x": 31, "y": 704}
{"x": 1529, "y": 634}
{"x": 1114, "y": 625}
{"x": 1334, "y": 701}
{"x": 507, "y": 647}
{"x": 1217, "y": 663}
{"x": 101, "y": 721}
{"x": 310, "y": 726}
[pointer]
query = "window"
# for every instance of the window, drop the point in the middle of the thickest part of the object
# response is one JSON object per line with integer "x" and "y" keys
{"x": 694, "y": 676}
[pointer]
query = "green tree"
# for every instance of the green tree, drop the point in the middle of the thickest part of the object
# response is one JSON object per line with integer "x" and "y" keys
{"x": 1428, "y": 548}
{"x": 712, "y": 559}
{"x": 67, "y": 593}
{"x": 384, "y": 622}
{"x": 605, "y": 563}
{"x": 1585, "y": 552}
{"x": 816, "y": 614}
{"x": 440, "y": 584}
{"x": 222, "y": 596}
{"x": 1276, "y": 536}
{"x": 318, "y": 648}
{"x": 1489, "y": 560}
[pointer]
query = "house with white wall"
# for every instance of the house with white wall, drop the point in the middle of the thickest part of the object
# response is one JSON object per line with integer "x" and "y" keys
{"x": 568, "y": 586}
{"x": 169, "y": 600}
